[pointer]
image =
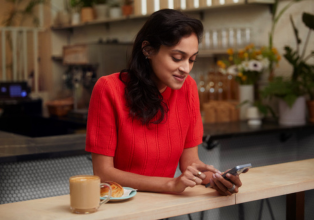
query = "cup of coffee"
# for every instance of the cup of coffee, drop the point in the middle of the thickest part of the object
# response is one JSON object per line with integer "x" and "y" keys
{"x": 85, "y": 193}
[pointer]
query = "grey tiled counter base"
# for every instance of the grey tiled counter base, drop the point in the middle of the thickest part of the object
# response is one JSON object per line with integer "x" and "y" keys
{"x": 26, "y": 180}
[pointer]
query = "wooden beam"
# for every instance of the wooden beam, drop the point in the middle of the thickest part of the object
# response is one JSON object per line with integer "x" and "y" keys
{"x": 295, "y": 206}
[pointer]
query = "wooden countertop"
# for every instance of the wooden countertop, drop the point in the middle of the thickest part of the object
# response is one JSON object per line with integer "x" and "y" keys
{"x": 258, "y": 183}
{"x": 276, "y": 180}
{"x": 142, "y": 206}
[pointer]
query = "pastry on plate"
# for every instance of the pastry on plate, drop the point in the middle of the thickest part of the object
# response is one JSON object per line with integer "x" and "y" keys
{"x": 116, "y": 188}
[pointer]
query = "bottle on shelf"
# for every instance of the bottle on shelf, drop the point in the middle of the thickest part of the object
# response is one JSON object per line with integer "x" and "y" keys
{"x": 206, "y": 3}
{"x": 192, "y": 4}
{"x": 202, "y": 91}
{"x": 220, "y": 86}
{"x": 210, "y": 86}
{"x": 228, "y": 87}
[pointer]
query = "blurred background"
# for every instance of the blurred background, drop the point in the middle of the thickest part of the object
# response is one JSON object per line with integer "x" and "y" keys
{"x": 56, "y": 50}
{"x": 255, "y": 67}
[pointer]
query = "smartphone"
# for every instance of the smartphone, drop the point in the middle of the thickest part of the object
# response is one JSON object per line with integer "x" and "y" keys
{"x": 235, "y": 170}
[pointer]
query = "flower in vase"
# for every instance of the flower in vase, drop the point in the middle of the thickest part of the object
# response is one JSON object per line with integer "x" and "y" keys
{"x": 233, "y": 70}
{"x": 265, "y": 61}
{"x": 247, "y": 64}
{"x": 255, "y": 65}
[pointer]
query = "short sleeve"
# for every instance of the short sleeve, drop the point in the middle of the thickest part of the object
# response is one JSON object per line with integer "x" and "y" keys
{"x": 101, "y": 134}
{"x": 195, "y": 132}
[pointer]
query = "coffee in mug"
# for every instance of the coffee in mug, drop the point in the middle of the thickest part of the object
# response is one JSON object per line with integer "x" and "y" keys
{"x": 85, "y": 193}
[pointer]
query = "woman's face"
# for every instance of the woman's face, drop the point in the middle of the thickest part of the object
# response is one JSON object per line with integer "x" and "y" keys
{"x": 172, "y": 65}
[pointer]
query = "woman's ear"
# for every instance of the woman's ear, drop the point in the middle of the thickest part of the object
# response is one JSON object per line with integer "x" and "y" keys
{"x": 146, "y": 49}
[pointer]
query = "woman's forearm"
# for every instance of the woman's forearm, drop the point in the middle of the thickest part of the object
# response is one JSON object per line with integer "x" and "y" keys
{"x": 136, "y": 181}
{"x": 103, "y": 166}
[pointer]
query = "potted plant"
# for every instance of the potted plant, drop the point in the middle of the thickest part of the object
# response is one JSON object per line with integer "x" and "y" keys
{"x": 127, "y": 7}
{"x": 115, "y": 9}
{"x": 73, "y": 12}
{"x": 291, "y": 92}
{"x": 101, "y": 9}
{"x": 307, "y": 69}
{"x": 87, "y": 12}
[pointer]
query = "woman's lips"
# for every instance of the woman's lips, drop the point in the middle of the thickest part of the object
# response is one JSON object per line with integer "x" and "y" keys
{"x": 179, "y": 78}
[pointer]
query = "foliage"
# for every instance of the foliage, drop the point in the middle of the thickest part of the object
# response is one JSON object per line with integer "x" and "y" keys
{"x": 302, "y": 79}
{"x": 81, "y": 3}
{"x": 128, "y": 2}
{"x": 18, "y": 15}
{"x": 275, "y": 18}
{"x": 114, "y": 3}
{"x": 264, "y": 109}
{"x": 248, "y": 64}
{"x": 287, "y": 90}
{"x": 100, "y": 2}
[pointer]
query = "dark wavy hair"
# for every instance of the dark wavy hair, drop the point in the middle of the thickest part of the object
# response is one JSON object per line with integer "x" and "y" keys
{"x": 164, "y": 27}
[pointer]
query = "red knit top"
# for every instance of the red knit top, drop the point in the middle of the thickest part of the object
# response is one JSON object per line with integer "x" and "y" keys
{"x": 136, "y": 148}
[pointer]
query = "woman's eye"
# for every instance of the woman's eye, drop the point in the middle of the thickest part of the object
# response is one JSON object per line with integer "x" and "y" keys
{"x": 176, "y": 59}
{"x": 192, "y": 61}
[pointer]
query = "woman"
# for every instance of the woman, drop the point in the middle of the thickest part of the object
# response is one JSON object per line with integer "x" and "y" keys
{"x": 146, "y": 119}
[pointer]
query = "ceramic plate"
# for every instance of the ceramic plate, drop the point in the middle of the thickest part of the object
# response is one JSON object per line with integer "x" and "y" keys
{"x": 133, "y": 193}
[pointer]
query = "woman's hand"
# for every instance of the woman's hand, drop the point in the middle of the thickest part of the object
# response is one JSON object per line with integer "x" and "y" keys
{"x": 225, "y": 187}
{"x": 192, "y": 176}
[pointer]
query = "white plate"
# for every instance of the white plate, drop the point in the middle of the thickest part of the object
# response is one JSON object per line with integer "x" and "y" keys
{"x": 133, "y": 193}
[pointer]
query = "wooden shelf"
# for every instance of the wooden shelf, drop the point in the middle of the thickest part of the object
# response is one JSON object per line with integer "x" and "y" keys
{"x": 211, "y": 52}
{"x": 201, "y": 53}
{"x": 261, "y": 1}
{"x": 101, "y": 21}
{"x": 58, "y": 58}
{"x": 133, "y": 17}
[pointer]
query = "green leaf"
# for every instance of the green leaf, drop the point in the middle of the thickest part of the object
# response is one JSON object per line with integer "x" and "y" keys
{"x": 74, "y": 3}
{"x": 243, "y": 103}
{"x": 308, "y": 20}
{"x": 287, "y": 90}
{"x": 264, "y": 109}
{"x": 291, "y": 56}
{"x": 295, "y": 30}
{"x": 261, "y": 108}
{"x": 274, "y": 9}
{"x": 290, "y": 99}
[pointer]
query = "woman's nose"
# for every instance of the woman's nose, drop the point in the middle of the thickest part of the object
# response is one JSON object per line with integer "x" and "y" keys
{"x": 185, "y": 67}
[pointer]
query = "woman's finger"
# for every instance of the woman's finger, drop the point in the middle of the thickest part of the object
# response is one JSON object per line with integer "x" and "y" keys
{"x": 196, "y": 172}
{"x": 220, "y": 185}
{"x": 246, "y": 170}
{"x": 234, "y": 179}
{"x": 205, "y": 167}
{"x": 190, "y": 175}
{"x": 188, "y": 182}
{"x": 214, "y": 186}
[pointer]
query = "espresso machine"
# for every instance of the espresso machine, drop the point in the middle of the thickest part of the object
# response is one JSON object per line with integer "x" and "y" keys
{"x": 15, "y": 100}
{"x": 86, "y": 64}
